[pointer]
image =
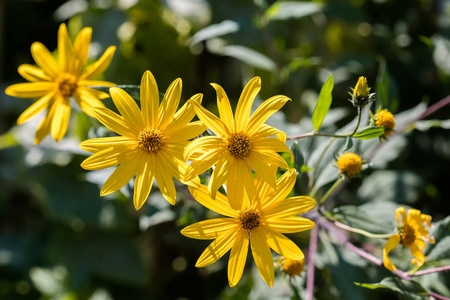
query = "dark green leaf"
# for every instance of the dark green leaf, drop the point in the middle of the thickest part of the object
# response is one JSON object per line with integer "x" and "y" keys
{"x": 370, "y": 133}
{"x": 298, "y": 156}
{"x": 282, "y": 10}
{"x": 408, "y": 288}
{"x": 348, "y": 144}
{"x": 323, "y": 104}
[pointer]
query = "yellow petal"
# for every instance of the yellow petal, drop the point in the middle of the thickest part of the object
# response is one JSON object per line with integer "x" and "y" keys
{"x": 240, "y": 185}
{"x": 61, "y": 118}
{"x": 128, "y": 109}
{"x": 97, "y": 93}
{"x": 64, "y": 48}
{"x": 418, "y": 254}
{"x": 289, "y": 207}
{"x": 187, "y": 132}
{"x": 258, "y": 164}
{"x": 238, "y": 256}
{"x": 33, "y": 73}
{"x": 35, "y": 108}
{"x": 203, "y": 163}
{"x": 284, "y": 186}
{"x": 165, "y": 182}
{"x": 210, "y": 120}
{"x": 124, "y": 172}
{"x": 181, "y": 119}
{"x": 100, "y": 65}
{"x": 86, "y": 100}
{"x": 223, "y": 104}
{"x": 289, "y": 224}
{"x": 245, "y": 103}
{"x": 219, "y": 205}
{"x": 44, "y": 127}
{"x": 206, "y": 142}
{"x": 266, "y": 131}
{"x": 210, "y": 229}
{"x": 149, "y": 99}
{"x": 264, "y": 111}
{"x": 272, "y": 144}
{"x": 169, "y": 104}
{"x": 44, "y": 59}
{"x": 392, "y": 242}
{"x": 30, "y": 89}
{"x": 283, "y": 246}
{"x": 400, "y": 211}
{"x": 99, "y": 144}
{"x": 80, "y": 51}
{"x": 106, "y": 158}
{"x": 144, "y": 180}
{"x": 274, "y": 159}
{"x": 262, "y": 255}
{"x": 113, "y": 121}
{"x": 219, "y": 175}
{"x": 95, "y": 83}
{"x": 216, "y": 249}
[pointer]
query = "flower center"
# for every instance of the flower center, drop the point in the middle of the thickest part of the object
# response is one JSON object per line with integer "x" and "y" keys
{"x": 249, "y": 220}
{"x": 67, "y": 84}
{"x": 407, "y": 236}
{"x": 239, "y": 145}
{"x": 150, "y": 140}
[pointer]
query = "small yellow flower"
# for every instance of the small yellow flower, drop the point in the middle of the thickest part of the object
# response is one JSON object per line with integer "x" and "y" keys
{"x": 293, "y": 267}
{"x": 361, "y": 89}
{"x": 261, "y": 225}
{"x": 150, "y": 142}
{"x": 385, "y": 119}
{"x": 349, "y": 164}
{"x": 411, "y": 233}
{"x": 54, "y": 83}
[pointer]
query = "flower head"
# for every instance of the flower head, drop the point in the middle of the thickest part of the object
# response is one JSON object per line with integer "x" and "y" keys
{"x": 242, "y": 144}
{"x": 349, "y": 164}
{"x": 292, "y": 267}
{"x": 412, "y": 233}
{"x": 384, "y": 118}
{"x": 55, "y": 82}
{"x": 260, "y": 224}
{"x": 150, "y": 142}
{"x": 361, "y": 95}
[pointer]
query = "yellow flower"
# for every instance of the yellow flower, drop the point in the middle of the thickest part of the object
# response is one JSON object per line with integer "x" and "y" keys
{"x": 55, "y": 82}
{"x": 260, "y": 224}
{"x": 385, "y": 119}
{"x": 151, "y": 141}
{"x": 349, "y": 164}
{"x": 361, "y": 89}
{"x": 293, "y": 267}
{"x": 242, "y": 144}
{"x": 411, "y": 233}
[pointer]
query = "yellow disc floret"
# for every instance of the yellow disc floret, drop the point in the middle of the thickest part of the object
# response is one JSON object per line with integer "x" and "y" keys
{"x": 293, "y": 267}
{"x": 385, "y": 119}
{"x": 249, "y": 220}
{"x": 349, "y": 164}
{"x": 239, "y": 145}
{"x": 150, "y": 140}
{"x": 66, "y": 84}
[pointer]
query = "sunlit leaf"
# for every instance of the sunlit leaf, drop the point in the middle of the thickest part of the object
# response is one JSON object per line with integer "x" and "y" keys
{"x": 410, "y": 289}
{"x": 370, "y": 133}
{"x": 323, "y": 103}
{"x": 283, "y": 10}
{"x": 215, "y": 30}
{"x": 249, "y": 57}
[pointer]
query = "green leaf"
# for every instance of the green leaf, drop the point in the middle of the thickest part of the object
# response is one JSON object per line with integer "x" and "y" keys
{"x": 408, "y": 288}
{"x": 348, "y": 144}
{"x": 425, "y": 125}
{"x": 282, "y": 10}
{"x": 440, "y": 249}
{"x": 215, "y": 30}
{"x": 323, "y": 104}
{"x": 298, "y": 156}
{"x": 370, "y": 133}
{"x": 249, "y": 57}
{"x": 358, "y": 218}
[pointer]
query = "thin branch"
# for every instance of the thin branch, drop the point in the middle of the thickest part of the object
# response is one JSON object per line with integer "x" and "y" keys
{"x": 433, "y": 294}
{"x": 429, "y": 271}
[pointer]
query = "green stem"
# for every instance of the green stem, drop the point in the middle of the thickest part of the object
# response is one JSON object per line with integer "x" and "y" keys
{"x": 331, "y": 190}
{"x": 357, "y": 124}
{"x": 316, "y": 167}
{"x": 362, "y": 232}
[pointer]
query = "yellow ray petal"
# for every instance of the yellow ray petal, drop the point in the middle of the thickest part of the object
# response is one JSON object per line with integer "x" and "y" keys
{"x": 274, "y": 159}
{"x": 203, "y": 143}
{"x": 33, "y": 73}
{"x": 187, "y": 132}
{"x": 80, "y": 51}
{"x": 113, "y": 121}
{"x": 282, "y": 245}
{"x": 418, "y": 254}
{"x": 216, "y": 249}
{"x": 203, "y": 163}
{"x": 258, "y": 164}
{"x": 100, "y": 65}
{"x": 219, "y": 205}
{"x": 30, "y": 89}
{"x": 266, "y": 131}
{"x": 64, "y": 48}
{"x": 165, "y": 182}
{"x": 169, "y": 104}
{"x": 36, "y": 108}
{"x": 144, "y": 180}
{"x": 99, "y": 144}
{"x": 223, "y": 104}
{"x": 149, "y": 99}
{"x": 87, "y": 101}
{"x": 238, "y": 256}
{"x": 391, "y": 243}
{"x": 124, "y": 172}
{"x": 210, "y": 229}
{"x": 128, "y": 109}
{"x": 264, "y": 111}
{"x": 95, "y": 83}
{"x": 219, "y": 175}
{"x": 97, "y": 93}
{"x": 244, "y": 106}
{"x": 289, "y": 224}
{"x": 272, "y": 144}
{"x": 284, "y": 186}
{"x": 107, "y": 158}
{"x": 183, "y": 116}
{"x": 44, "y": 59}
{"x": 262, "y": 256}
{"x": 240, "y": 185}
{"x": 61, "y": 118}
{"x": 44, "y": 127}
{"x": 290, "y": 207}
{"x": 211, "y": 120}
